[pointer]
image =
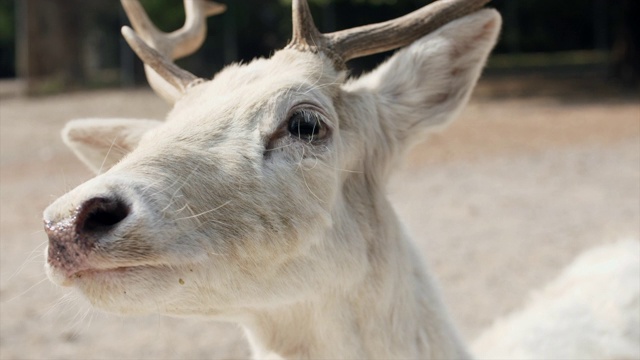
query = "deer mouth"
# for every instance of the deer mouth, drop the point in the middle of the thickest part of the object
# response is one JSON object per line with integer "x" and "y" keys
{"x": 68, "y": 279}
{"x": 117, "y": 271}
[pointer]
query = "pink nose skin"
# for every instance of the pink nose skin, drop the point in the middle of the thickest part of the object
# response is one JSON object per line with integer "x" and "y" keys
{"x": 71, "y": 240}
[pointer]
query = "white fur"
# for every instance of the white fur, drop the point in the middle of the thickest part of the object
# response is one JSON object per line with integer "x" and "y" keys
{"x": 591, "y": 311}
{"x": 297, "y": 242}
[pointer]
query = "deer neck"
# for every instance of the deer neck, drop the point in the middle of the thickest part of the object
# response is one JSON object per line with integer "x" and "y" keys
{"x": 392, "y": 311}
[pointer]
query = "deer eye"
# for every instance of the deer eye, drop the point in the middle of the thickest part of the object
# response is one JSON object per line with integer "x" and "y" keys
{"x": 307, "y": 125}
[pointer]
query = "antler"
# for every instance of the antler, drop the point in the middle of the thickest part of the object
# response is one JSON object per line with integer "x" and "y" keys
{"x": 158, "y": 49}
{"x": 370, "y": 39}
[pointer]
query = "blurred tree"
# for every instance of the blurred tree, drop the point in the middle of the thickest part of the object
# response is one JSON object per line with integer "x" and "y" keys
{"x": 50, "y": 42}
{"x": 626, "y": 46}
{"x": 7, "y": 39}
{"x": 66, "y": 39}
{"x": 546, "y": 25}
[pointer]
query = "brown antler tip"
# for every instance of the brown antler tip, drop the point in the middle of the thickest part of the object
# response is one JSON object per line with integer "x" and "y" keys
{"x": 179, "y": 78}
{"x": 212, "y": 8}
{"x": 128, "y": 33}
{"x": 305, "y": 34}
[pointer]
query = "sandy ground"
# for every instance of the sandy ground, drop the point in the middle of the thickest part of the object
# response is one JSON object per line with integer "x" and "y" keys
{"x": 498, "y": 203}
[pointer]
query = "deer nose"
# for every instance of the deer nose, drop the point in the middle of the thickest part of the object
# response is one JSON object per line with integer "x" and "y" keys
{"x": 73, "y": 238}
{"x": 100, "y": 214}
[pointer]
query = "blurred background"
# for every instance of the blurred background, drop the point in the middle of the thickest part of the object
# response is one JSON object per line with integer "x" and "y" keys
{"x": 58, "y": 45}
{"x": 542, "y": 164}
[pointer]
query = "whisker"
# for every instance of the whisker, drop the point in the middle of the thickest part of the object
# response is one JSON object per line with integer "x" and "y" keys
{"x": 343, "y": 170}
{"x": 64, "y": 299}
{"x": 304, "y": 179}
{"x": 36, "y": 232}
{"x": 153, "y": 183}
{"x": 184, "y": 183}
{"x": 182, "y": 208}
{"x": 107, "y": 155}
{"x": 281, "y": 147}
{"x": 26, "y": 291}
{"x": 204, "y": 212}
{"x": 319, "y": 87}
{"x": 78, "y": 320}
{"x": 29, "y": 259}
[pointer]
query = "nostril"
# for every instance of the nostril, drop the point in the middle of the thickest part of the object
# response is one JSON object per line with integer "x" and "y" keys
{"x": 100, "y": 214}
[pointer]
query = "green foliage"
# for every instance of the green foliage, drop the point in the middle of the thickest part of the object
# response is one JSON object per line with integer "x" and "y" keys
{"x": 7, "y": 24}
{"x": 167, "y": 15}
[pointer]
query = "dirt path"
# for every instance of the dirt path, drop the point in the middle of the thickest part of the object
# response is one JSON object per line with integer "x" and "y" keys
{"x": 498, "y": 203}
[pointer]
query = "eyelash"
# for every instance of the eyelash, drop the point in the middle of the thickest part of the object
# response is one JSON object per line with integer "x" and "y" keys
{"x": 303, "y": 124}
{"x": 307, "y": 125}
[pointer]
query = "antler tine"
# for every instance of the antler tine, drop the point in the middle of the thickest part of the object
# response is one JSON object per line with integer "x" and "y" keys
{"x": 365, "y": 40}
{"x": 190, "y": 37}
{"x": 140, "y": 20}
{"x": 158, "y": 49}
{"x": 393, "y": 34}
{"x": 305, "y": 34}
{"x": 177, "y": 77}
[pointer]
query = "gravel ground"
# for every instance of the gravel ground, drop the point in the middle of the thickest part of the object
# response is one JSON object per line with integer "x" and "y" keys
{"x": 498, "y": 203}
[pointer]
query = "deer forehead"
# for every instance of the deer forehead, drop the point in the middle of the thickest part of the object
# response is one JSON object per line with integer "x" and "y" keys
{"x": 257, "y": 95}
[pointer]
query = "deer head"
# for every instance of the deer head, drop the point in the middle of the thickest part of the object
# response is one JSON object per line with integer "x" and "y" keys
{"x": 265, "y": 185}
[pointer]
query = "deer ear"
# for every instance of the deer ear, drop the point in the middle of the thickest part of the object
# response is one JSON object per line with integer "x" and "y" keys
{"x": 428, "y": 83}
{"x": 101, "y": 143}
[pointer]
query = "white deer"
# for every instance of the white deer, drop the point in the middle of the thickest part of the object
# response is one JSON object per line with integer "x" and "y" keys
{"x": 261, "y": 200}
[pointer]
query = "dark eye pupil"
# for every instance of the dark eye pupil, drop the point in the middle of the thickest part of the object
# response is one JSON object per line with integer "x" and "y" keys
{"x": 305, "y": 125}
